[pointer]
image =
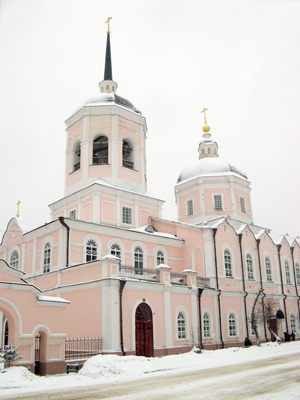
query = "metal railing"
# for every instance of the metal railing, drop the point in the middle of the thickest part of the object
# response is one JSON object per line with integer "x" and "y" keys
{"x": 128, "y": 164}
{"x": 201, "y": 281}
{"x": 177, "y": 279}
{"x": 143, "y": 274}
{"x": 100, "y": 160}
{"x": 82, "y": 348}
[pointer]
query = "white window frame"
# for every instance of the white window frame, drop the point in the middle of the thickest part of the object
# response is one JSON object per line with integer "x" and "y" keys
{"x": 126, "y": 214}
{"x": 268, "y": 269}
{"x": 243, "y": 204}
{"x": 116, "y": 251}
{"x": 72, "y": 213}
{"x": 219, "y": 195}
{"x": 93, "y": 256}
{"x": 293, "y": 323}
{"x": 160, "y": 257}
{"x": 15, "y": 263}
{"x": 138, "y": 257}
{"x": 250, "y": 269}
{"x": 287, "y": 272}
{"x": 232, "y": 333}
{"x": 47, "y": 255}
{"x": 297, "y": 273}
{"x": 206, "y": 323}
{"x": 225, "y": 261}
{"x": 190, "y": 207}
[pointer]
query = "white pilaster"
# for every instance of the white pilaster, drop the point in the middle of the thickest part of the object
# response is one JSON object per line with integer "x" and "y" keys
{"x": 168, "y": 321}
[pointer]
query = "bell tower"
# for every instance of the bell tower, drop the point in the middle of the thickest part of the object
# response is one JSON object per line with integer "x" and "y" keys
{"x": 105, "y": 163}
{"x": 106, "y": 139}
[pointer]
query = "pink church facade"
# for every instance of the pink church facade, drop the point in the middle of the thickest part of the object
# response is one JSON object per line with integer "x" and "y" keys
{"x": 109, "y": 266}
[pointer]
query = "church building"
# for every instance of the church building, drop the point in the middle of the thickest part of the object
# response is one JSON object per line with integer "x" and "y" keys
{"x": 110, "y": 269}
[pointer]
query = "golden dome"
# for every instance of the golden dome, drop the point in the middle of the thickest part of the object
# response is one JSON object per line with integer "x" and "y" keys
{"x": 206, "y": 128}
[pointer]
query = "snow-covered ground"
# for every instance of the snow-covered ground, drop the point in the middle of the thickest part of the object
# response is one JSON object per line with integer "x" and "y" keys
{"x": 111, "y": 368}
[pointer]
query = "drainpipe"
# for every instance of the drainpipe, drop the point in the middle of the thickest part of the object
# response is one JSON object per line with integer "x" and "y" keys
{"x": 244, "y": 286}
{"x": 282, "y": 288}
{"x": 261, "y": 288}
{"x": 200, "y": 291}
{"x": 62, "y": 221}
{"x": 217, "y": 284}
{"x": 295, "y": 280}
{"x": 122, "y": 285}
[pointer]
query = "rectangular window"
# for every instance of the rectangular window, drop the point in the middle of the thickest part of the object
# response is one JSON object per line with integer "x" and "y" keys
{"x": 190, "y": 207}
{"x": 218, "y": 202}
{"x": 72, "y": 214}
{"x": 242, "y": 204}
{"x": 126, "y": 215}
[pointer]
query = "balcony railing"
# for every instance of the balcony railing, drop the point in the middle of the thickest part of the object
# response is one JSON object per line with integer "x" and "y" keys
{"x": 177, "y": 279}
{"x": 127, "y": 164}
{"x": 77, "y": 166}
{"x": 143, "y": 274}
{"x": 100, "y": 160}
{"x": 201, "y": 281}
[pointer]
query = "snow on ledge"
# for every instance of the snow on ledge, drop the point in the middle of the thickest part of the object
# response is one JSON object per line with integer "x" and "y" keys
{"x": 52, "y": 299}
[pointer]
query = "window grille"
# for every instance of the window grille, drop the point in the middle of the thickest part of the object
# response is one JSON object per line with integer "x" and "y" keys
{"x": 14, "y": 259}
{"x": 160, "y": 259}
{"x": 206, "y": 325}
{"x": 100, "y": 151}
{"x": 232, "y": 325}
{"x": 268, "y": 269}
{"x": 72, "y": 214}
{"x": 297, "y": 274}
{"x": 218, "y": 202}
{"x": 250, "y": 267}
{"x": 242, "y": 204}
{"x": 47, "y": 258}
{"x": 116, "y": 250}
{"x": 228, "y": 264}
{"x": 138, "y": 261}
{"x": 293, "y": 323}
{"x": 287, "y": 273}
{"x": 190, "y": 207}
{"x": 91, "y": 250}
{"x": 181, "y": 325}
{"x": 126, "y": 215}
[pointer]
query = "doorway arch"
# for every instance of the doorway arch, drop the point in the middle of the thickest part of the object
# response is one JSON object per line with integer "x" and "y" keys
{"x": 144, "y": 330}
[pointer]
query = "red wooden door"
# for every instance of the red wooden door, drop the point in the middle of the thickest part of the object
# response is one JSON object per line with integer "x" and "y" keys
{"x": 144, "y": 331}
{"x": 273, "y": 325}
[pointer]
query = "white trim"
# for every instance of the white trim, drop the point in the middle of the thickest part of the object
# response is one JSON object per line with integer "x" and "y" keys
{"x": 187, "y": 324}
{"x": 231, "y": 311}
{"x": 85, "y": 239}
{"x": 227, "y": 247}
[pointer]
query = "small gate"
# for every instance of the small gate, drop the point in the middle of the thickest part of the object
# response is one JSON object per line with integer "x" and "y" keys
{"x": 37, "y": 355}
{"x": 144, "y": 331}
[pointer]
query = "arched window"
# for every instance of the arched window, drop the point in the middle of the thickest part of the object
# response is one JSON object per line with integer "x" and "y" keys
{"x": 100, "y": 150}
{"x": 91, "y": 250}
{"x": 227, "y": 263}
{"x": 47, "y": 258}
{"x": 232, "y": 325}
{"x": 206, "y": 325}
{"x": 287, "y": 272}
{"x": 160, "y": 258}
{"x": 181, "y": 325}
{"x": 127, "y": 155}
{"x": 268, "y": 269}
{"x": 14, "y": 259}
{"x": 115, "y": 250}
{"x": 297, "y": 270}
{"x": 76, "y": 156}
{"x": 249, "y": 267}
{"x": 293, "y": 323}
{"x": 138, "y": 261}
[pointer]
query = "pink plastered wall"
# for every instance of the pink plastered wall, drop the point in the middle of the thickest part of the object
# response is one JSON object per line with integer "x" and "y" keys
{"x": 209, "y": 205}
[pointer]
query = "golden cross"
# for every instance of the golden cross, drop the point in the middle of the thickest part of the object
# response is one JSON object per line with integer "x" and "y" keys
{"x": 107, "y": 22}
{"x": 203, "y": 111}
{"x": 18, "y": 209}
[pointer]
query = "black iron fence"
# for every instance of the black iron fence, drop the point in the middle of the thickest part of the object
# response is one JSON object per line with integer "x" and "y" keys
{"x": 82, "y": 348}
{"x": 143, "y": 274}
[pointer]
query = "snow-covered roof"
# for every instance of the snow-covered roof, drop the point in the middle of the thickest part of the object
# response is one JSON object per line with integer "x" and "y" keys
{"x": 53, "y": 299}
{"x": 209, "y": 166}
{"x": 107, "y": 99}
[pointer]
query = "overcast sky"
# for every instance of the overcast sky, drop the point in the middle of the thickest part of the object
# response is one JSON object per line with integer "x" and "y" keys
{"x": 240, "y": 59}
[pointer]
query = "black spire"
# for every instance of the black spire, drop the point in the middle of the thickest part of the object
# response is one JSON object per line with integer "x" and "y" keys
{"x": 108, "y": 69}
